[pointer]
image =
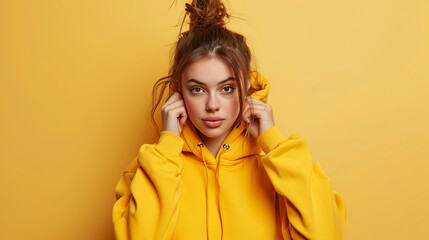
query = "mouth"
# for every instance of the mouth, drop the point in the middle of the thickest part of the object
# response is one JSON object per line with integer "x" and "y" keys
{"x": 213, "y": 123}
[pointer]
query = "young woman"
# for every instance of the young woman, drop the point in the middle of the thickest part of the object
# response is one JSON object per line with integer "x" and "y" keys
{"x": 221, "y": 168}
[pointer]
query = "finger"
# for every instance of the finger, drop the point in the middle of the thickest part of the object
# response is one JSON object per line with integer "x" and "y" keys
{"x": 174, "y": 97}
{"x": 252, "y": 127}
{"x": 262, "y": 106}
{"x": 245, "y": 111}
{"x": 183, "y": 119}
{"x": 180, "y": 115}
{"x": 255, "y": 103}
{"x": 256, "y": 113}
{"x": 172, "y": 105}
{"x": 247, "y": 115}
{"x": 249, "y": 109}
{"x": 177, "y": 111}
{"x": 253, "y": 99}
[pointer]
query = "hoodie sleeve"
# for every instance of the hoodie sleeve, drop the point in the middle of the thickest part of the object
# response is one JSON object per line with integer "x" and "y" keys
{"x": 309, "y": 209}
{"x": 148, "y": 193}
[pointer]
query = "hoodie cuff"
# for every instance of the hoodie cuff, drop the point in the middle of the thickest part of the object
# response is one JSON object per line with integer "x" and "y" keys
{"x": 270, "y": 139}
{"x": 171, "y": 143}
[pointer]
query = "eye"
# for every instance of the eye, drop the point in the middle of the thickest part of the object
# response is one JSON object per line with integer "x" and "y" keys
{"x": 196, "y": 90}
{"x": 228, "y": 89}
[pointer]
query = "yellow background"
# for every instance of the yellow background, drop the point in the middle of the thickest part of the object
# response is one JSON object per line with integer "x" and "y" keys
{"x": 350, "y": 77}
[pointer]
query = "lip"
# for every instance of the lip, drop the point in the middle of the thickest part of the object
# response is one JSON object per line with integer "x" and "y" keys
{"x": 212, "y": 119}
{"x": 213, "y": 122}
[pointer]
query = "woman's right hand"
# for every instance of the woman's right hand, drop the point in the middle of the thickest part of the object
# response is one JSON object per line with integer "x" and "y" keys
{"x": 174, "y": 114}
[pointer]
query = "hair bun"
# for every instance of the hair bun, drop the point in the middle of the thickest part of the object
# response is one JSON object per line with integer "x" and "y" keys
{"x": 206, "y": 13}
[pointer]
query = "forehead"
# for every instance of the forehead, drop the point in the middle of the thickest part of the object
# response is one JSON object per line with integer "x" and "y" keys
{"x": 210, "y": 71}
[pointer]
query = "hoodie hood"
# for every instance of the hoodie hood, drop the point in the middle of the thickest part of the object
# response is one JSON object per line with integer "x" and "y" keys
{"x": 235, "y": 140}
{"x": 160, "y": 195}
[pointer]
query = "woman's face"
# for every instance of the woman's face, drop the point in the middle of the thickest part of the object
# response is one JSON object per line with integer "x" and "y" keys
{"x": 211, "y": 96}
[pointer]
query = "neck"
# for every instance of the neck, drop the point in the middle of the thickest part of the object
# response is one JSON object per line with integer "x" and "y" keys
{"x": 213, "y": 144}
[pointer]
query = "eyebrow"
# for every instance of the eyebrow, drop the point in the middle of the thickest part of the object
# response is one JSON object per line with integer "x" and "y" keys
{"x": 204, "y": 84}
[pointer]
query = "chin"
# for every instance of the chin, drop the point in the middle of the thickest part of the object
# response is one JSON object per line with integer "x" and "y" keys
{"x": 213, "y": 132}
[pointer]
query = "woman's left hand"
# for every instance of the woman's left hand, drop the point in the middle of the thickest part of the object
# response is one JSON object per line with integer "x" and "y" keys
{"x": 262, "y": 114}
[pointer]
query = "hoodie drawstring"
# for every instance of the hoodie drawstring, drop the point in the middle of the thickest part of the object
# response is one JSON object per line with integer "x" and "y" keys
{"x": 224, "y": 147}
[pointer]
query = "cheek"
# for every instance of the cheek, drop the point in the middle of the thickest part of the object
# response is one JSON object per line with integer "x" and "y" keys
{"x": 192, "y": 107}
{"x": 233, "y": 107}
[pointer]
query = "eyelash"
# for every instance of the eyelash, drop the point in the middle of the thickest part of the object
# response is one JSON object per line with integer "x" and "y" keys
{"x": 231, "y": 87}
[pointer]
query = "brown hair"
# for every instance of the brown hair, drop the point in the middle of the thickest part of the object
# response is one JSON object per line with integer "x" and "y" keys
{"x": 206, "y": 37}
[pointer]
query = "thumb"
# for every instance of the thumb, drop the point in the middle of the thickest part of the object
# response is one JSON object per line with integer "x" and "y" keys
{"x": 183, "y": 119}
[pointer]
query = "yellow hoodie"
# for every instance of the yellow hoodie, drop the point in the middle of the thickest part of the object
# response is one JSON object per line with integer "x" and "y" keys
{"x": 176, "y": 189}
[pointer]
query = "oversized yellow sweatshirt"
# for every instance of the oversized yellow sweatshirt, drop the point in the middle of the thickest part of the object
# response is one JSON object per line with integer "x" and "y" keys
{"x": 263, "y": 189}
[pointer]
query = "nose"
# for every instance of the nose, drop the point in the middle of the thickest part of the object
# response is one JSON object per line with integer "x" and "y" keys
{"x": 212, "y": 104}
